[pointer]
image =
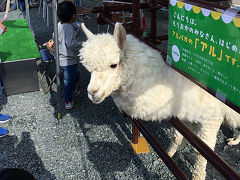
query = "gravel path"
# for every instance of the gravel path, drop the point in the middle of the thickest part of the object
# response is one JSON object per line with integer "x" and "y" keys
{"x": 90, "y": 141}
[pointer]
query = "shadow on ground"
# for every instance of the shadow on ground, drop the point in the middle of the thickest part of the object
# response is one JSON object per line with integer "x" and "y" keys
{"x": 13, "y": 149}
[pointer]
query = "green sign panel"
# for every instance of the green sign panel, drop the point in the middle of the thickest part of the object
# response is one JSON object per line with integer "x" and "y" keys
{"x": 206, "y": 45}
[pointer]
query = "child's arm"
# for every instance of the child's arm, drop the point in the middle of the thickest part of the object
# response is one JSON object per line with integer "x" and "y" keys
{"x": 77, "y": 44}
{"x": 72, "y": 42}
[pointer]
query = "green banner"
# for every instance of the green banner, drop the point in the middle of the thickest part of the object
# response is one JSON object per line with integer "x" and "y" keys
{"x": 206, "y": 45}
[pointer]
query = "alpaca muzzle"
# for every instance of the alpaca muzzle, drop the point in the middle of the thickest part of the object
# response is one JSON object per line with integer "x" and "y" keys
{"x": 94, "y": 98}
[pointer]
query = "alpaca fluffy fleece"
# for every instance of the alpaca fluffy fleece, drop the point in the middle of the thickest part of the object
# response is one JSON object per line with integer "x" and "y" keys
{"x": 144, "y": 87}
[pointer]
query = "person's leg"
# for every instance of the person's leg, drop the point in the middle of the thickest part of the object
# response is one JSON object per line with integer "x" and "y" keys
{"x": 33, "y": 3}
{"x": 77, "y": 77}
{"x": 70, "y": 79}
{"x": 21, "y": 5}
{"x": 0, "y": 89}
{"x": 3, "y": 118}
{"x": 77, "y": 74}
{"x": 67, "y": 83}
{"x": 3, "y": 132}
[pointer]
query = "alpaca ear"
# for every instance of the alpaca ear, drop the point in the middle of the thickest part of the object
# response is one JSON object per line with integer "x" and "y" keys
{"x": 119, "y": 35}
{"x": 86, "y": 31}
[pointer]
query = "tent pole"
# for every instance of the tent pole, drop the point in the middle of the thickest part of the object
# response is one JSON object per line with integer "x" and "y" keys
{"x": 27, "y": 14}
{"x": 55, "y": 26}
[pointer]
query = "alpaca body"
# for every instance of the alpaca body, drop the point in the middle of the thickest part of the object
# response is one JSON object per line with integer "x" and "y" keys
{"x": 144, "y": 87}
{"x": 155, "y": 91}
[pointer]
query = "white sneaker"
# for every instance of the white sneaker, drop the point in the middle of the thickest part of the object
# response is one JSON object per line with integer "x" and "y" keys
{"x": 69, "y": 105}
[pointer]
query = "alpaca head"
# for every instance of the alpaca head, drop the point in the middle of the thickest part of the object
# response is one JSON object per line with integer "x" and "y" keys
{"x": 101, "y": 55}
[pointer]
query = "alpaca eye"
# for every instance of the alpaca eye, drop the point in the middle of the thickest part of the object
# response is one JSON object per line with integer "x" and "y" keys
{"x": 113, "y": 66}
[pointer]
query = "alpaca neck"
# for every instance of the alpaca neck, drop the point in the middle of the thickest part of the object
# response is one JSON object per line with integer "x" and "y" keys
{"x": 128, "y": 66}
{"x": 140, "y": 61}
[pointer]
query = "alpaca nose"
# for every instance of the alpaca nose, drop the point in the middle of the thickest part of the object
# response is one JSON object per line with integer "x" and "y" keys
{"x": 93, "y": 91}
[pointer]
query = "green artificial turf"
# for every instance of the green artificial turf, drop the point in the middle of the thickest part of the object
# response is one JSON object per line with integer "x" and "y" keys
{"x": 17, "y": 43}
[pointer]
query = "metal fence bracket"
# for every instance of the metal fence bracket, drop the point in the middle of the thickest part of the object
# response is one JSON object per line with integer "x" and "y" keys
{"x": 141, "y": 146}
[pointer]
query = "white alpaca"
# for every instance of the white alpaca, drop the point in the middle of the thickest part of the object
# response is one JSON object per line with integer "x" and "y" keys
{"x": 143, "y": 86}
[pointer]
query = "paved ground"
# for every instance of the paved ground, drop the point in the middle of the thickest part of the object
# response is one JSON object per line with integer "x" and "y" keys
{"x": 90, "y": 141}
